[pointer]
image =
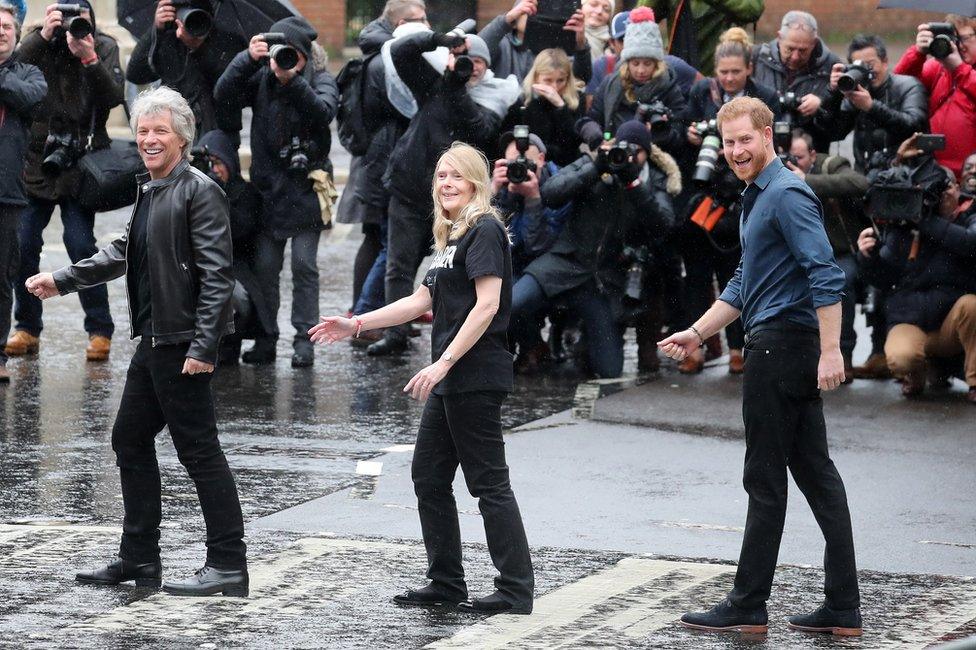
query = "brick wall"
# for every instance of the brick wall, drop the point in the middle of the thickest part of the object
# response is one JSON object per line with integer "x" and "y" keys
{"x": 329, "y": 19}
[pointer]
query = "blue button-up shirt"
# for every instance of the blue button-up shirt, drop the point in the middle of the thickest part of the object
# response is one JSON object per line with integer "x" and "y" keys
{"x": 787, "y": 268}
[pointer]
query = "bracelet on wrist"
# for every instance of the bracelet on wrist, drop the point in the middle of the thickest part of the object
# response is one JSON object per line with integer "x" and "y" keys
{"x": 359, "y": 326}
{"x": 701, "y": 339}
{"x": 92, "y": 61}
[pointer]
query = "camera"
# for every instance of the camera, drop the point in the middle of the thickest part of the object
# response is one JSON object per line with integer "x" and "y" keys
{"x": 200, "y": 158}
{"x": 463, "y": 67}
{"x": 61, "y": 152}
{"x": 294, "y": 153}
{"x": 943, "y": 36}
{"x": 903, "y": 196}
{"x": 708, "y": 156}
{"x": 656, "y": 114}
{"x": 856, "y": 74}
{"x": 636, "y": 259}
{"x": 73, "y": 22}
{"x": 197, "y": 22}
{"x": 518, "y": 169}
{"x": 620, "y": 155}
{"x": 789, "y": 102}
{"x": 283, "y": 54}
{"x": 782, "y": 141}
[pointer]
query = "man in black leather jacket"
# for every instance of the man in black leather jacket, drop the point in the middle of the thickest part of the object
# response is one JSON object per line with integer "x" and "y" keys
{"x": 176, "y": 258}
{"x": 587, "y": 267}
{"x": 882, "y": 112}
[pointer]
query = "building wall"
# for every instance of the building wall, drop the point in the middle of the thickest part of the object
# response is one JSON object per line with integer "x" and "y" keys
{"x": 329, "y": 19}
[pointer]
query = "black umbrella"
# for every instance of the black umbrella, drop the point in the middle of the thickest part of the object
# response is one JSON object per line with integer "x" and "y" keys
{"x": 961, "y": 7}
{"x": 244, "y": 18}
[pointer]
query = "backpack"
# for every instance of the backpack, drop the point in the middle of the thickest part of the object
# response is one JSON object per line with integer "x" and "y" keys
{"x": 353, "y": 132}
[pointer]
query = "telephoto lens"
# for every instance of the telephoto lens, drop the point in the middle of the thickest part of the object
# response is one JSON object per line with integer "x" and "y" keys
{"x": 463, "y": 67}
{"x": 284, "y": 55}
{"x": 77, "y": 26}
{"x": 619, "y": 155}
{"x": 943, "y": 36}
{"x": 856, "y": 74}
{"x": 707, "y": 159}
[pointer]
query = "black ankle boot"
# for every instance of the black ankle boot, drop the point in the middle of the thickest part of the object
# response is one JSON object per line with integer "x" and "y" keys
{"x": 840, "y": 622}
{"x": 726, "y": 617}
{"x": 264, "y": 351}
{"x": 148, "y": 574}
{"x": 208, "y": 581}
{"x": 427, "y": 596}
{"x": 389, "y": 345}
{"x": 493, "y": 604}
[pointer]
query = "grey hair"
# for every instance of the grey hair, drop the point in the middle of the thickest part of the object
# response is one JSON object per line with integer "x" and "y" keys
{"x": 12, "y": 10}
{"x": 394, "y": 10}
{"x": 799, "y": 20}
{"x": 157, "y": 100}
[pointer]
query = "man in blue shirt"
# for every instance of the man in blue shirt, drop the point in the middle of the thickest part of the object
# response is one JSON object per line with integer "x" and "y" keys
{"x": 788, "y": 291}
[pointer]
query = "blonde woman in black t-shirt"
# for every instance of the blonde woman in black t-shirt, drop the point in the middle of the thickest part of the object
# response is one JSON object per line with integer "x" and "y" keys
{"x": 469, "y": 288}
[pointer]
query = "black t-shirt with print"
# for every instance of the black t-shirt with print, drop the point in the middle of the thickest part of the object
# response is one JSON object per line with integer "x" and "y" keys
{"x": 483, "y": 251}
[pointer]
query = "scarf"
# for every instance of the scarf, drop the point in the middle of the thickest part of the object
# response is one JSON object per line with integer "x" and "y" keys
{"x": 597, "y": 38}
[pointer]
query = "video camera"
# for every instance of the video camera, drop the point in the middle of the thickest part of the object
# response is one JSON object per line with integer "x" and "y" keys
{"x": 943, "y": 36}
{"x": 782, "y": 141}
{"x": 283, "y": 54}
{"x": 61, "y": 152}
{"x": 656, "y": 114}
{"x": 73, "y": 22}
{"x": 197, "y": 22}
{"x": 708, "y": 156}
{"x": 856, "y": 74}
{"x": 519, "y": 168}
{"x": 903, "y": 195}
{"x": 295, "y": 153}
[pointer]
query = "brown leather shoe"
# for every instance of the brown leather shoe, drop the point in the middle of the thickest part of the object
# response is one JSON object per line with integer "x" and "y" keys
{"x": 912, "y": 386}
{"x": 876, "y": 367}
{"x": 693, "y": 364}
{"x": 98, "y": 347}
{"x": 22, "y": 342}
{"x": 737, "y": 363}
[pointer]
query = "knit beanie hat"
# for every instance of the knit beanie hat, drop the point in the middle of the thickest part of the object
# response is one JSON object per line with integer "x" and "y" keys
{"x": 634, "y": 132}
{"x": 477, "y": 47}
{"x": 298, "y": 32}
{"x": 643, "y": 37}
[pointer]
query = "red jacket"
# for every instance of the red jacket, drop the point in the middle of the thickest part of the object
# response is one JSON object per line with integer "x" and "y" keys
{"x": 952, "y": 104}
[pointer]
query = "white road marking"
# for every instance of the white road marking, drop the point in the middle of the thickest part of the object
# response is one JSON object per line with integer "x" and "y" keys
{"x": 922, "y": 621}
{"x": 369, "y": 468}
{"x": 397, "y": 449}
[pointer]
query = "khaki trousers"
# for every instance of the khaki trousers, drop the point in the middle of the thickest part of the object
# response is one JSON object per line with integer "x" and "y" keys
{"x": 908, "y": 347}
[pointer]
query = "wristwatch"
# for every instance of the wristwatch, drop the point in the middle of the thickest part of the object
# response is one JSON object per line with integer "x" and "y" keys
{"x": 447, "y": 356}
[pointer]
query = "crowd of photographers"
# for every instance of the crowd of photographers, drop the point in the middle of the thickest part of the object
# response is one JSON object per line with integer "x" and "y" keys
{"x": 605, "y": 160}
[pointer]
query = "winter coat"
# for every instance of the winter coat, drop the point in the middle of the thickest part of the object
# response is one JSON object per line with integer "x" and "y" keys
{"x": 841, "y": 190}
{"x": 923, "y": 290}
{"x": 768, "y": 70}
{"x": 555, "y": 126}
{"x": 159, "y": 55}
{"x": 22, "y": 88}
{"x": 446, "y": 113}
{"x": 302, "y": 108}
{"x": 607, "y": 64}
{"x": 899, "y": 109}
{"x": 75, "y": 94}
{"x": 373, "y": 35}
{"x": 952, "y": 104}
{"x": 707, "y": 97}
{"x": 611, "y": 108}
{"x": 604, "y": 217}
{"x": 510, "y": 57}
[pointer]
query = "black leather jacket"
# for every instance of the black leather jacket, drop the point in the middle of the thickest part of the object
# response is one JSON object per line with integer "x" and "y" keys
{"x": 189, "y": 261}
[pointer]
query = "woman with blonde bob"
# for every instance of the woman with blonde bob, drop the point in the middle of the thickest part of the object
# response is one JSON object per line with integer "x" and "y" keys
{"x": 552, "y": 102}
{"x": 469, "y": 288}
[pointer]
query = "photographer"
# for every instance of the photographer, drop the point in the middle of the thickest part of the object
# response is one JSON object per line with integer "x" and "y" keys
{"x": 950, "y": 81}
{"x": 84, "y": 83}
{"x": 22, "y": 87}
{"x": 643, "y": 87}
{"x": 882, "y": 109}
{"x": 931, "y": 309}
{"x": 505, "y": 37}
{"x": 797, "y": 64}
{"x": 619, "y": 199}
{"x": 841, "y": 191}
{"x": 465, "y": 103}
{"x": 290, "y": 142}
{"x": 187, "y": 63}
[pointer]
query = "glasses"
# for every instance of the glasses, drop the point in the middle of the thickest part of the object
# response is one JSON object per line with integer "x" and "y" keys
{"x": 965, "y": 38}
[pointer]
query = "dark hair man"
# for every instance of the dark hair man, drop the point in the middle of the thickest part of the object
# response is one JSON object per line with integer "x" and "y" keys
{"x": 290, "y": 143}
{"x": 951, "y": 86}
{"x": 22, "y": 87}
{"x": 84, "y": 83}
{"x": 188, "y": 64}
{"x": 840, "y": 190}
{"x": 788, "y": 290}
{"x": 882, "y": 112}
{"x": 931, "y": 309}
{"x": 797, "y": 61}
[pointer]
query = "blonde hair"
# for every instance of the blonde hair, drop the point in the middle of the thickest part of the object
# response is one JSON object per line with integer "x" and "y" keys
{"x": 628, "y": 83}
{"x": 756, "y": 109}
{"x": 473, "y": 167}
{"x": 960, "y": 21}
{"x": 554, "y": 60}
{"x": 734, "y": 41}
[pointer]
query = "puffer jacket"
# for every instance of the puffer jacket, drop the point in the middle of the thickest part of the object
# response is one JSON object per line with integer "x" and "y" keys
{"x": 75, "y": 94}
{"x": 189, "y": 262}
{"x": 923, "y": 290}
{"x": 605, "y": 216}
{"x": 899, "y": 109}
{"x": 22, "y": 88}
{"x": 303, "y": 108}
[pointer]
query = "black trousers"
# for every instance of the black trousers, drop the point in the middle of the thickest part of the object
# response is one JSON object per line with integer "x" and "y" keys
{"x": 408, "y": 242}
{"x": 466, "y": 428}
{"x": 9, "y": 267}
{"x": 156, "y": 394}
{"x": 784, "y": 424}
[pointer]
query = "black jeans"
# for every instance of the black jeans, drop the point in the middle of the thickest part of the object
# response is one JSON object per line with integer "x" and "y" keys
{"x": 156, "y": 394}
{"x": 466, "y": 428}
{"x": 9, "y": 265}
{"x": 784, "y": 424}
{"x": 408, "y": 242}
